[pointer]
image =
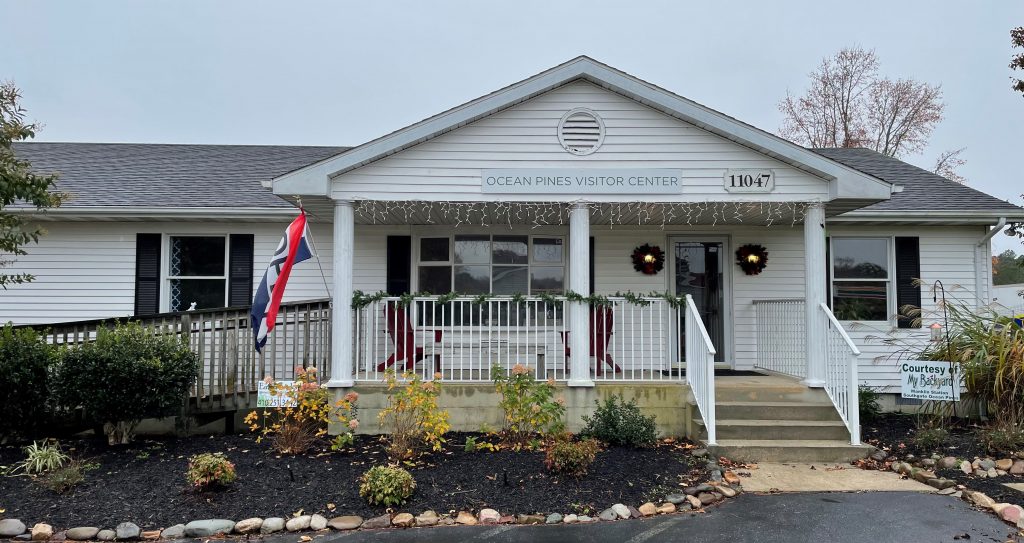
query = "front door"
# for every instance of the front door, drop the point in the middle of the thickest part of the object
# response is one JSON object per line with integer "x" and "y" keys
{"x": 698, "y": 269}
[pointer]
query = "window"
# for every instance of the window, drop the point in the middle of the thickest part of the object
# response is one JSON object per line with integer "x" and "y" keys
{"x": 485, "y": 264}
{"x": 196, "y": 272}
{"x": 861, "y": 278}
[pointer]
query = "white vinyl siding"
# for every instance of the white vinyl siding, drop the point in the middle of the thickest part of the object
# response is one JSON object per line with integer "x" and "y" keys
{"x": 524, "y": 136}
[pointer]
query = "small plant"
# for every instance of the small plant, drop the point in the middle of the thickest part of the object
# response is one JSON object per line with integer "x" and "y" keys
{"x": 386, "y": 485}
{"x": 471, "y": 445}
{"x": 998, "y": 440}
{"x": 25, "y": 364}
{"x": 41, "y": 457}
{"x": 210, "y": 470}
{"x": 143, "y": 455}
{"x": 868, "y": 399}
{"x": 567, "y": 457}
{"x": 930, "y": 438}
{"x": 412, "y": 416}
{"x": 307, "y": 413}
{"x": 529, "y": 405}
{"x": 618, "y": 422}
{"x": 64, "y": 478}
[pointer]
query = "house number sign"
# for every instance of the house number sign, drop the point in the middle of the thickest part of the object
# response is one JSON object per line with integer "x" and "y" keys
{"x": 749, "y": 180}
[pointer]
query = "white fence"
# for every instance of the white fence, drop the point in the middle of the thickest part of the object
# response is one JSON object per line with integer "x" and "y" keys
{"x": 841, "y": 374}
{"x": 700, "y": 367}
{"x": 781, "y": 336}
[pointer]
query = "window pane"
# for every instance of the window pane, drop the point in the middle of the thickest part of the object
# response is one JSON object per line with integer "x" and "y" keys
{"x": 472, "y": 279}
{"x": 472, "y": 250}
{"x": 510, "y": 280}
{"x": 433, "y": 249}
{"x": 860, "y": 258}
{"x": 435, "y": 279}
{"x": 191, "y": 256}
{"x": 206, "y": 293}
{"x": 547, "y": 250}
{"x": 547, "y": 279}
{"x": 510, "y": 249}
{"x": 860, "y": 300}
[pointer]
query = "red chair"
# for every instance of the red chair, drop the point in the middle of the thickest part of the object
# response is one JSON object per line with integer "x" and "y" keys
{"x": 601, "y": 326}
{"x": 402, "y": 335}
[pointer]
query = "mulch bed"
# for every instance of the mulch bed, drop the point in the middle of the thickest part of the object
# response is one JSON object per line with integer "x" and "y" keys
{"x": 894, "y": 433}
{"x": 145, "y": 482}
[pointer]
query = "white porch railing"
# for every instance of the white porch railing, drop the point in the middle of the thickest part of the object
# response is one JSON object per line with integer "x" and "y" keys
{"x": 841, "y": 374}
{"x": 781, "y": 336}
{"x": 463, "y": 338}
{"x": 700, "y": 366}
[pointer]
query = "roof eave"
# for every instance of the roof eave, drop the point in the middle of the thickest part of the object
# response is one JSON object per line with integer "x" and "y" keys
{"x": 950, "y": 217}
{"x": 132, "y": 212}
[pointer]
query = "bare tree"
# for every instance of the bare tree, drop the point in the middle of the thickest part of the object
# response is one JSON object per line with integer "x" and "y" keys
{"x": 1017, "y": 61}
{"x": 849, "y": 105}
{"x": 948, "y": 163}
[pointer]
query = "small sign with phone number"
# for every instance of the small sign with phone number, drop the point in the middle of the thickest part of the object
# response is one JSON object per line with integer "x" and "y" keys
{"x": 265, "y": 399}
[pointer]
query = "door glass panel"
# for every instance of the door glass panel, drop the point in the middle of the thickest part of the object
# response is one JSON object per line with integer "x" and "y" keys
{"x": 472, "y": 250}
{"x": 698, "y": 272}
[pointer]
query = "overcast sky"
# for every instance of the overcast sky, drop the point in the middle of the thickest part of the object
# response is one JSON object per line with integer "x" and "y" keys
{"x": 342, "y": 73}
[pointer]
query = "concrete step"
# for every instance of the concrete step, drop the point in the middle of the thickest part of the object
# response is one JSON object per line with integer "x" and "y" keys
{"x": 798, "y": 450}
{"x": 781, "y": 430}
{"x": 823, "y": 411}
{"x": 794, "y": 392}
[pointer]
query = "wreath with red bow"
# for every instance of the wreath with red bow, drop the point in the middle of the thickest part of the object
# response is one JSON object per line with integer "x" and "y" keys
{"x": 752, "y": 258}
{"x": 648, "y": 259}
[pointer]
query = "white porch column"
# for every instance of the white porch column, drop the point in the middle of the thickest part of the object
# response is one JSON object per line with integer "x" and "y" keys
{"x": 814, "y": 293}
{"x": 341, "y": 306}
{"x": 579, "y": 282}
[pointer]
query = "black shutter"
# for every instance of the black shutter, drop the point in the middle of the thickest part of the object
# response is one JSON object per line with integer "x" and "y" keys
{"x": 240, "y": 270}
{"x": 591, "y": 264}
{"x": 908, "y": 268}
{"x": 399, "y": 265}
{"x": 147, "y": 273}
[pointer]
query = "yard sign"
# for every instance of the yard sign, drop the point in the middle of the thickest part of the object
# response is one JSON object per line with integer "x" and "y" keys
{"x": 265, "y": 399}
{"x": 928, "y": 380}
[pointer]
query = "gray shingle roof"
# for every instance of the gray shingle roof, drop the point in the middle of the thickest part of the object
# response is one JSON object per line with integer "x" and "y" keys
{"x": 162, "y": 175}
{"x": 922, "y": 189}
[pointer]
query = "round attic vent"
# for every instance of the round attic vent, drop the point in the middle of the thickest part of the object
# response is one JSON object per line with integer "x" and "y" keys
{"x": 581, "y": 131}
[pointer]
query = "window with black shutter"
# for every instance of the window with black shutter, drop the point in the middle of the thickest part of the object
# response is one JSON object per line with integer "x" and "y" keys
{"x": 908, "y": 269}
{"x": 240, "y": 269}
{"x": 147, "y": 273}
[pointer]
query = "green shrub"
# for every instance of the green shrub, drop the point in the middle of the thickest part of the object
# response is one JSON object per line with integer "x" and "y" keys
{"x": 567, "y": 457}
{"x": 930, "y": 438}
{"x": 65, "y": 478}
{"x": 386, "y": 485}
{"x": 530, "y": 406}
{"x": 997, "y": 440}
{"x": 126, "y": 375}
{"x": 41, "y": 457}
{"x": 210, "y": 470}
{"x": 618, "y": 422}
{"x": 870, "y": 408}
{"x": 25, "y": 363}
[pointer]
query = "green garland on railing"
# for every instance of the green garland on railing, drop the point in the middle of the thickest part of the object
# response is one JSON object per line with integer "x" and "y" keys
{"x": 360, "y": 299}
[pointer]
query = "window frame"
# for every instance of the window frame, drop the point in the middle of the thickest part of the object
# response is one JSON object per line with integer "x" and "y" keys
{"x": 889, "y": 281}
{"x": 563, "y": 264}
{"x": 165, "y": 271}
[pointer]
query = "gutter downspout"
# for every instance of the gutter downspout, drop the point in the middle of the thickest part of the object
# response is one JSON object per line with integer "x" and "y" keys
{"x": 983, "y": 264}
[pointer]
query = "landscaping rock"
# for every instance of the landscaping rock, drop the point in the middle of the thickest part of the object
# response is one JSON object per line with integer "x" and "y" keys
{"x": 966, "y": 467}
{"x": 948, "y": 462}
{"x": 446, "y": 521}
{"x": 879, "y": 455}
{"x": 666, "y": 508}
{"x": 946, "y": 491}
{"x": 1010, "y": 513}
{"x": 570, "y": 519}
{"x": 403, "y": 520}
{"x": 922, "y": 475}
{"x": 11, "y": 527}
{"x": 465, "y": 518}
{"x": 675, "y": 498}
{"x": 174, "y": 532}
{"x": 248, "y": 526}
{"x": 130, "y": 530}
{"x": 427, "y": 518}
{"x": 293, "y": 524}
{"x": 986, "y": 464}
{"x": 694, "y": 502}
{"x": 531, "y": 519}
{"x": 727, "y": 491}
{"x": 716, "y": 475}
{"x": 608, "y": 514}
{"x": 553, "y": 518}
{"x": 583, "y": 519}
{"x": 707, "y": 498}
{"x": 979, "y": 499}
{"x": 621, "y": 510}
{"x": 42, "y": 532}
{"x": 1017, "y": 468}
{"x": 151, "y": 535}
{"x": 489, "y": 516}
{"x": 648, "y": 509}
{"x": 350, "y": 522}
{"x": 980, "y": 473}
{"x": 506, "y": 519}
{"x": 382, "y": 521}
{"x": 927, "y": 463}
{"x": 1004, "y": 464}
{"x": 205, "y": 528}
{"x": 992, "y": 472}
{"x": 83, "y": 533}
{"x": 109, "y": 535}
{"x": 904, "y": 468}
{"x": 731, "y": 478}
{"x": 699, "y": 453}
{"x": 272, "y": 525}
{"x": 317, "y": 522}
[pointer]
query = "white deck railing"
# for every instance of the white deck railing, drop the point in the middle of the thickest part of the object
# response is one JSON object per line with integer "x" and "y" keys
{"x": 781, "y": 336}
{"x": 700, "y": 366}
{"x": 463, "y": 338}
{"x": 841, "y": 374}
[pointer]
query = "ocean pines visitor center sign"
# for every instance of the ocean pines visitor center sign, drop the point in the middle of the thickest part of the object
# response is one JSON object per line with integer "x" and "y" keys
{"x": 570, "y": 181}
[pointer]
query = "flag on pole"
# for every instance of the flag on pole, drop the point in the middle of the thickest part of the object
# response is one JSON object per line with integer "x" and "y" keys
{"x": 292, "y": 250}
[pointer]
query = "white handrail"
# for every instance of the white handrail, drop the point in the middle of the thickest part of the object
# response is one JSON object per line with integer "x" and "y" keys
{"x": 700, "y": 366}
{"x": 841, "y": 383}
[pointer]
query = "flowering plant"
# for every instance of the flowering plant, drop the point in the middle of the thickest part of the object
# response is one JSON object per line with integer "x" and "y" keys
{"x": 306, "y": 415}
{"x": 209, "y": 470}
{"x": 415, "y": 421}
{"x": 529, "y": 405}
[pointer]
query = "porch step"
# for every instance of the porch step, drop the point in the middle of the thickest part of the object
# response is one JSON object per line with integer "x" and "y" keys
{"x": 778, "y": 429}
{"x": 791, "y": 411}
{"x": 772, "y": 393}
{"x": 789, "y": 450}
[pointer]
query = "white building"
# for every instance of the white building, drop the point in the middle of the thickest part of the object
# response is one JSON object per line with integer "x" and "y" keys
{"x": 546, "y": 187}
